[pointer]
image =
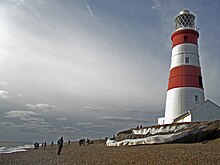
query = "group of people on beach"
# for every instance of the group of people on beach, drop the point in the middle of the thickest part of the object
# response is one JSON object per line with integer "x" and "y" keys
{"x": 83, "y": 142}
{"x": 59, "y": 144}
{"x": 44, "y": 145}
{"x": 36, "y": 145}
{"x": 139, "y": 127}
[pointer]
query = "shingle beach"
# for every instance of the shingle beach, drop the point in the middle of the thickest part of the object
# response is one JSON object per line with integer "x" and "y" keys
{"x": 99, "y": 154}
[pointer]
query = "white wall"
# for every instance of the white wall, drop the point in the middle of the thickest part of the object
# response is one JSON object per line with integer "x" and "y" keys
{"x": 161, "y": 120}
{"x": 186, "y": 119}
{"x": 207, "y": 111}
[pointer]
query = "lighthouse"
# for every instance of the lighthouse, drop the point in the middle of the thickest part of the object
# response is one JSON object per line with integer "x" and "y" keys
{"x": 185, "y": 86}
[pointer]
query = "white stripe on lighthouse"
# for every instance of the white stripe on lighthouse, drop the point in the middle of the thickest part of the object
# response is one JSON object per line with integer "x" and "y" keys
{"x": 183, "y": 51}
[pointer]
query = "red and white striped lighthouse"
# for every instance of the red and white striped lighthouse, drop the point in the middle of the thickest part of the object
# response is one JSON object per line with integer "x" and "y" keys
{"x": 185, "y": 87}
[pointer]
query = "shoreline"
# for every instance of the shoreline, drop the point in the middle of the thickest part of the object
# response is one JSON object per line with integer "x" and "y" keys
{"x": 99, "y": 154}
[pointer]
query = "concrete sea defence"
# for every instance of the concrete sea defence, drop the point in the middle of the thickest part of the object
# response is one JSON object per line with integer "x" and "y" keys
{"x": 191, "y": 132}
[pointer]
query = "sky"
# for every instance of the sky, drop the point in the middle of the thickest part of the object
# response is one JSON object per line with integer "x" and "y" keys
{"x": 92, "y": 68}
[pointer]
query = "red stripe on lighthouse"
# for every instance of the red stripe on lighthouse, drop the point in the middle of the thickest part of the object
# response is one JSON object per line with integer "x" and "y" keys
{"x": 185, "y": 36}
{"x": 185, "y": 76}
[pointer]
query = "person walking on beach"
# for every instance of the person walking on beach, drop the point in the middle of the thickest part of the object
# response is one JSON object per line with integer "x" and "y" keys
{"x": 35, "y": 145}
{"x": 45, "y": 144}
{"x": 88, "y": 141}
{"x": 60, "y": 145}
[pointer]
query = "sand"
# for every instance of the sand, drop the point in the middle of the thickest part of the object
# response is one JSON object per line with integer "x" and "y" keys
{"x": 99, "y": 154}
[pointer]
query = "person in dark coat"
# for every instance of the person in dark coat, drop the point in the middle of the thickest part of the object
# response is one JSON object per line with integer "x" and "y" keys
{"x": 45, "y": 144}
{"x": 60, "y": 145}
{"x": 35, "y": 145}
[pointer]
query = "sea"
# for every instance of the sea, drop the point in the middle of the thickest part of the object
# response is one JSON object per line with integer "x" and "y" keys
{"x": 11, "y": 147}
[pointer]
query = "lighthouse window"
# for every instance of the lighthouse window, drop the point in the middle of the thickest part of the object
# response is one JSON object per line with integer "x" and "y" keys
{"x": 186, "y": 60}
{"x": 196, "y": 98}
{"x": 185, "y": 38}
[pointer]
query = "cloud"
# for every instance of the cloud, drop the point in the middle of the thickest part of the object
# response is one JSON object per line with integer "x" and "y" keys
{"x": 90, "y": 125}
{"x": 4, "y": 94}
{"x": 3, "y": 83}
{"x": 24, "y": 115}
{"x": 111, "y": 63}
{"x": 133, "y": 110}
{"x": 99, "y": 109}
{"x": 36, "y": 126}
{"x": 167, "y": 11}
{"x": 40, "y": 106}
{"x": 83, "y": 124}
{"x": 70, "y": 129}
{"x": 61, "y": 119}
{"x": 7, "y": 124}
{"x": 157, "y": 5}
{"x": 89, "y": 9}
{"x": 124, "y": 119}
{"x": 96, "y": 126}
{"x": 32, "y": 122}
{"x": 18, "y": 95}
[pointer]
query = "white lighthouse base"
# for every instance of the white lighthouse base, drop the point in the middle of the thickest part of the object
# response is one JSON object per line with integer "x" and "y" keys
{"x": 180, "y": 100}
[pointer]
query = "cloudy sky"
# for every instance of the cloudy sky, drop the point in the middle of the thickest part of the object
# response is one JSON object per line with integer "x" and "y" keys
{"x": 90, "y": 68}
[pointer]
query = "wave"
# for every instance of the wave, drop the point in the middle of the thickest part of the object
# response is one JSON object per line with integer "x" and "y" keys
{"x": 15, "y": 148}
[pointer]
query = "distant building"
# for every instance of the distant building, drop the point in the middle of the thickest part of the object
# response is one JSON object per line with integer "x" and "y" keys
{"x": 185, "y": 101}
